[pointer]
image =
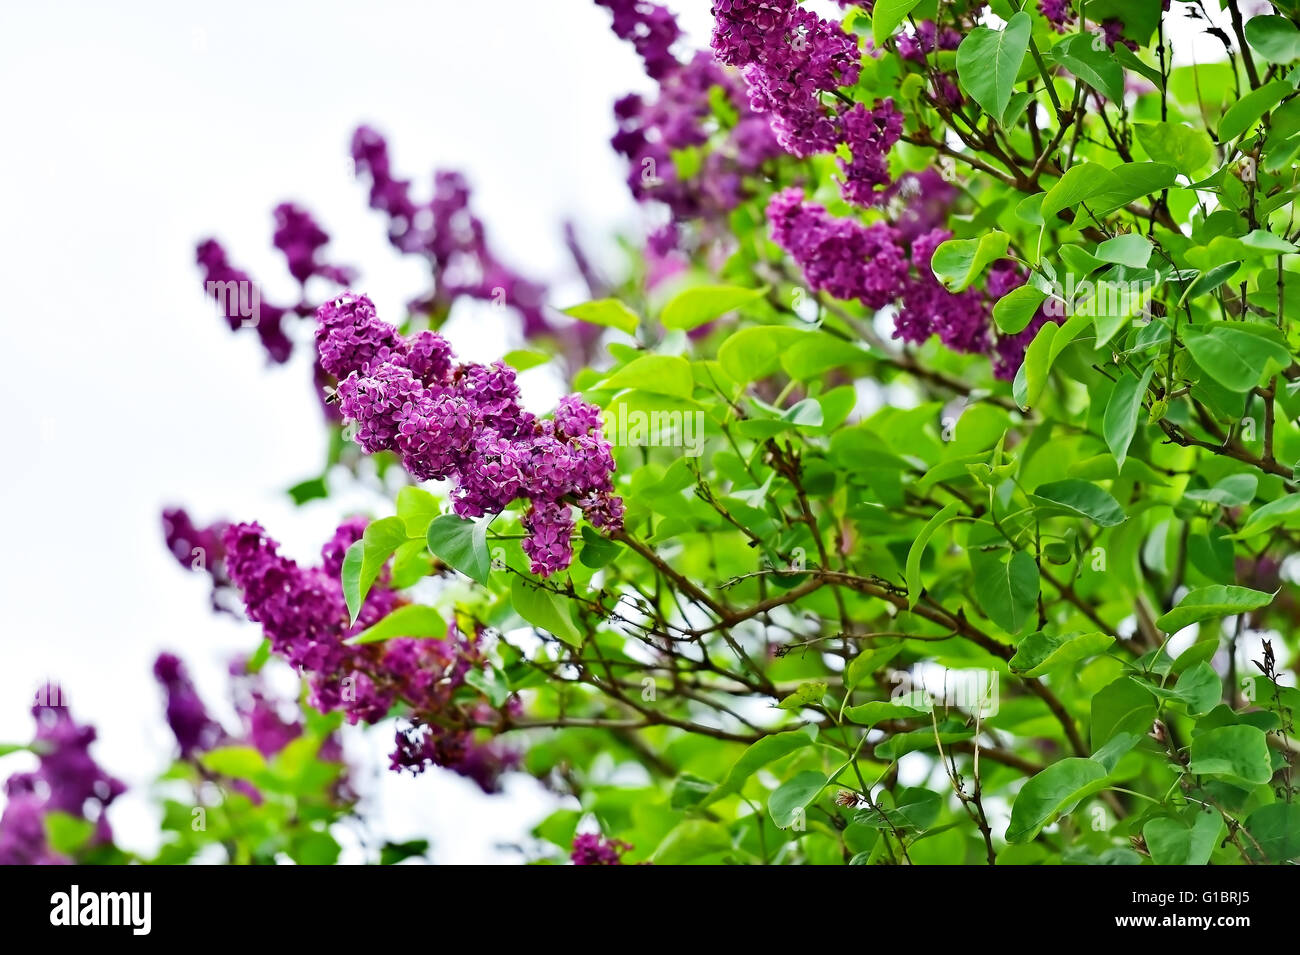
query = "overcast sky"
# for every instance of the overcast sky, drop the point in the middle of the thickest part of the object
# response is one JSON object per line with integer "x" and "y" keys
{"x": 133, "y": 130}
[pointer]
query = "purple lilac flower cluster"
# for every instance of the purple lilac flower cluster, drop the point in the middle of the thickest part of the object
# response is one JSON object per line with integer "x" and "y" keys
{"x": 304, "y": 615}
{"x": 651, "y": 130}
{"x": 464, "y": 423}
{"x": 871, "y": 264}
{"x": 67, "y": 780}
{"x": 300, "y": 239}
{"x": 195, "y": 731}
{"x": 264, "y": 727}
{"x": 869, "y": 134}
{"x": 200, "y": 549}
{"x": 919, "y": 202}
{"x": 651, "y": 28}
{"x": 789, "y": 56}
{"x": 1058, "y": 13}
{"x": 591, "y": 848}
{"x": 235, "y": 292}
{"x": 448, "y": 235}
{"x": 925, "y": 39}
{"x": 842, "y": 257}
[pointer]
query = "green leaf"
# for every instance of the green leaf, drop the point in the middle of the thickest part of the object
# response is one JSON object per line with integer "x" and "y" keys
{"x": 878, "y": 711}
{"x": 1120, "y": 421}
{"x": 1080, "y": 183}
{"x": 1235, "y": 354}
{"x": 1235, "y": 490}
{"x": 1129, "y": 249}
{"x": 1129, "y": 60}
{"x": 1130, "y": 181}
{"x": 1284, "y": 512}
{"x": 394, "y": 852}
{"x": 988, "y": 62}
{"x": 868, "y": 662}
{"x": 67, "y": 834}
{"x": 597, "y": 550}
{"x": 1200, "y": 688}
{"x": 806, "y": 695}
{"x": 1122, "y": 706}
{"x": 1006, "y": 590}
{"x": 1056, "y": 790}
{"x": 609, "y": 312}
{"x": 522, "y": 360}
{"x": 1238, "y": 752}
{"x": 1244, "y": 113}
{"x": 240, "y": 762}
{"x": 1082, "y": 499}
{"x": 1186, "y": 149}
{"x": 886, "y": 16}
{"x": 661, "y": 374}
{"x": 816, "y": 353}
{"x": 1211, "y": 280}
{"x": 1267, "y": 242}
{"x": 412, "y": 620}
{"x": 411, "y": 562}
{"x": 959, "y": 262}
{"x": 416, "y": 507}
{"x": 1109, "y": 755}
{"x": 1015, "y": 310}
{"x": 690, "y": 790}
{"x": 461, "y": 544}
{"x": 917, "y": 809}
{"x": 1276, "y": 828}
{"x": 491, "y": 684}
{"x": 1209, "y": 603}
{"x": 790, "y": 801}
{"x": 755, "y": 352}
{"x": 692, "y": 839}
{"x": 917, "y": 550}
{"x": 310, "y": 490}
{"x": 1039, "y": 652}
{"x": 366, "y": 558}
{"x": 316, "y": 848}
{"x": 1098, "y": 68}
{"x": 1172, "y": 842}
{"x": 1276, "y": 39}
{"x": 544, "y": 609}
{"x": 759, "y": 754}
{"x": 701, "y": 304}
{"x": 351, "y": 576}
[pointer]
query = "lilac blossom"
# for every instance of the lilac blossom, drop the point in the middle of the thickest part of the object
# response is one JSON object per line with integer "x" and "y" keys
{"x": 67, "y": 779}
{"x": 591, "y": 848}
{"x": 464, "y": 423}
{"x": 304, "y": 615}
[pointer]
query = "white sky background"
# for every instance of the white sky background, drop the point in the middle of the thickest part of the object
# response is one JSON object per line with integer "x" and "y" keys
{"x": 133, "y": 130}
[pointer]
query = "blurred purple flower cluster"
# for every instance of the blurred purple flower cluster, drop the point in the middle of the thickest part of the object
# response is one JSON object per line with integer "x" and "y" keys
{"x": 591, "y": 848}
{"x": 652, "y": 131}
{"x": 304, "y": 615}
{"x": 241, "y": 299}
{"x": 67, "y": 780}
